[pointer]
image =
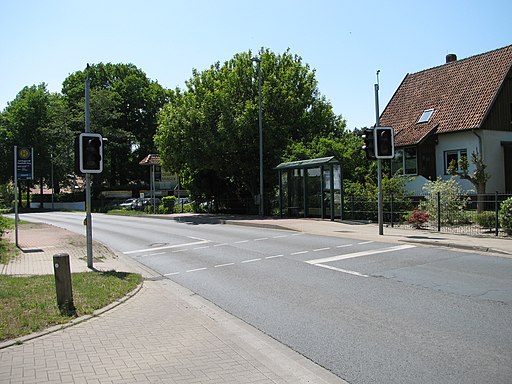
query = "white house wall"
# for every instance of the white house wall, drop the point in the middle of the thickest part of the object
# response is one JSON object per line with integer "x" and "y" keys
{"x": 491, "y": 149}
{"x": 494, "y": 158}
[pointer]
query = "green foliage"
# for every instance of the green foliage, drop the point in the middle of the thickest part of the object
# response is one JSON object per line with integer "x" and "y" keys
{"x": 123, "y": 104}
{"x": 167, "y": 205}
{"x": 4, "y": 224}
{"x": 505, "y": 216}
{"x": 6, "y": 196}
{"x": 486, "y": 219}
{"x": 209, "y": 132}
{"x": 452, "y": 203}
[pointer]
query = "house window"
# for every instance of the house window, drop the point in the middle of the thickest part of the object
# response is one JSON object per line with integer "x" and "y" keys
{"x": 405, "y": 161}
{"x": 454, "y": 155}
{"x": 425, "y": 116}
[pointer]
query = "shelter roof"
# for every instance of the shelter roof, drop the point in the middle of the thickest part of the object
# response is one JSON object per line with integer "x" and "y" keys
{"x": 310, "y": 163}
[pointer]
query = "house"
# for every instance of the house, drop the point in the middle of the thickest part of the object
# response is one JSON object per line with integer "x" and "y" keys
{"x": 444, "y": 113}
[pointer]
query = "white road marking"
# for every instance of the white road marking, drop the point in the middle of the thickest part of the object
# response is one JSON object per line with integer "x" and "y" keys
{"x": 158, "y": 253}
{"x": 261, "y": 238}
{"x": 220, "y": 245}
{"x": 172, "y": 273}
{"x": 197, "y": 269}
{"x": 299, "y": 253}
{"x": 365, "y": 242}
{"x": 223, "y": 265}
{"x": 359, "y": 254}
{"x": 250, "y": 261}
{"x": 166, "y": 247}
{"x": 344, "y": 245}
{"x": 279, "y": 236}
{"x": 320, "y": 262}
{"x": 321, "y": 249}
{"x": 342, "y": 270}
{"x": 273, "y": 257}
{"x": 241, "y": 241}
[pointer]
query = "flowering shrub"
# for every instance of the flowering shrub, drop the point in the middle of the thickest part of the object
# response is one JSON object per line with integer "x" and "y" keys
{"x": 505, "y": 216}
{"x": 417, "y": 218}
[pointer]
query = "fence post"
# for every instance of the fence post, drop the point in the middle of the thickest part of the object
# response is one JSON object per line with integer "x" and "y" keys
{"x": 391, "y": 208}
{"x": 438, "y": 211}
{"x": 63, "y": 284}
{"x": 496, "y": 214}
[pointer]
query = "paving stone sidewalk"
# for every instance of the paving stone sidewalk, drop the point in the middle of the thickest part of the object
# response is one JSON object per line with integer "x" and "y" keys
{"x": 163, "y": 334}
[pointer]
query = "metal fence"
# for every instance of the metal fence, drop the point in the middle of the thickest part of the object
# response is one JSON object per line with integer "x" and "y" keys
{"x": 465, "y": 214}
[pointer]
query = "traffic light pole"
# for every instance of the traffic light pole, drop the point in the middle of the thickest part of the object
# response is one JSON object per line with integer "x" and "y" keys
{"x": 379, "y": 163}
{"x": 88, "y": 216}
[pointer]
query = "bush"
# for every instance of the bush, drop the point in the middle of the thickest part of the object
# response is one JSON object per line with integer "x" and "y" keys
{"x": 486, "y": 219}
{"x": 168, "y": 204}
{"x": 452, "y": 202}
{"x": 4, "y": 224}
{"x": 505, "y": 216}
{"x": 417, "y": 218}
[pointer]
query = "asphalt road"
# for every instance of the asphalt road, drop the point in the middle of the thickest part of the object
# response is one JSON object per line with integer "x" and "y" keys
{"x": 370, "y": 312}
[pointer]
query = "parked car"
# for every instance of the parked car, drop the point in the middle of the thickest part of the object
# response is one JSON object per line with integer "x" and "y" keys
{"x": 128, "y": 203}
{"x": 141, "y": 203}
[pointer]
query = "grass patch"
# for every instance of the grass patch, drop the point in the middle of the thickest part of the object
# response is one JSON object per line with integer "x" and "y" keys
{"x": 29, "y": 304}
{"x": 126, "y": 212}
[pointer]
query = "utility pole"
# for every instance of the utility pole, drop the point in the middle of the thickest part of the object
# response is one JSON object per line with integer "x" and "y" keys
{"x": 379, "y": 162}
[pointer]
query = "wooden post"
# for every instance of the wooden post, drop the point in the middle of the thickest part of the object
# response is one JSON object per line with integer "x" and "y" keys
{"x": 63, "y": 285}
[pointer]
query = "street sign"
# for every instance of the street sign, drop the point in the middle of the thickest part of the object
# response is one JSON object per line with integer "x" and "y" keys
{"x": 25, "y": 163}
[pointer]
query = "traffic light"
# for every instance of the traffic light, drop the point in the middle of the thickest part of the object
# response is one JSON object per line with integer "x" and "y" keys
{"x": 90, "y": 153}
{"x": 384, "y": 143}
{"x": 369, "y": 143}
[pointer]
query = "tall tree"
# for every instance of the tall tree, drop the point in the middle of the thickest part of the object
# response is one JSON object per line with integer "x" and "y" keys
{"x": 210, "y": 129}
{"x": 124, "y": 104}
{"x": 36, "y": 118}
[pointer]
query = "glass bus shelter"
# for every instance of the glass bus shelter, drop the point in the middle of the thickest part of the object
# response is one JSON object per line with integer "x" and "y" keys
{"x": 310, "y": 188}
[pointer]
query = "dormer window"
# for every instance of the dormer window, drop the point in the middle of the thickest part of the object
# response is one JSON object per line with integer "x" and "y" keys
{"x": 425, "y": 116}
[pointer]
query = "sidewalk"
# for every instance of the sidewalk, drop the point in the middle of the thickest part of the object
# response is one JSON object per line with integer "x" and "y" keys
{"x": 162, "y": 334}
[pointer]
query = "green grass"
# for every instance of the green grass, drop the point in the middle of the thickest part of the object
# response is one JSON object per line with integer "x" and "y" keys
{"x": 29, "y": 304}
{"x": 126, "y": 212}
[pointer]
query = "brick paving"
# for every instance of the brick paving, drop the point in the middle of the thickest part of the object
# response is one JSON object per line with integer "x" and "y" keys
{"x": 162, "y": 334}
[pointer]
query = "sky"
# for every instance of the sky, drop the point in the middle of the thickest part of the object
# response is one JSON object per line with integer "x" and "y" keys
{"x": 345, "y": 42}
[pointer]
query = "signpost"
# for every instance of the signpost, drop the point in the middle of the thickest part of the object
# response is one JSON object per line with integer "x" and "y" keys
{"x": 23, "y": 170}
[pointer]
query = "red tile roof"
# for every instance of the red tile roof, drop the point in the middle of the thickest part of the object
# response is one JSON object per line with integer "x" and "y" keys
{"x": 150, "y": 160}
{"x": 460, "y": 92}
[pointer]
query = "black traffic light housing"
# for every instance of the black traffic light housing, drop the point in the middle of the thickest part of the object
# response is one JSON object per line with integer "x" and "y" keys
{"x": 384, "y": 142}
{"x": 369, "y": 143}
{"x": 89, "y": 154}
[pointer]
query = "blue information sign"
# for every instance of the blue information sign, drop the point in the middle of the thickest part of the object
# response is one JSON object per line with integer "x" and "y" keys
{"x": 25, "y": 163}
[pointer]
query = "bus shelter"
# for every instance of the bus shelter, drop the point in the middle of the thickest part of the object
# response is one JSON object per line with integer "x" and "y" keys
{"x": 311, "y": 188}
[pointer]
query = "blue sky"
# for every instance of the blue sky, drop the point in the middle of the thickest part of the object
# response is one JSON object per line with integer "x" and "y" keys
{"x": 346, "y": 42}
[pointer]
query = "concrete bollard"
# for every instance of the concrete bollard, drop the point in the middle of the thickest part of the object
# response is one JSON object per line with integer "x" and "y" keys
{"x": 63, "y": 285}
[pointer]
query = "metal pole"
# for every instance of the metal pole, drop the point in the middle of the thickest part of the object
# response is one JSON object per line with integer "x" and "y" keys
{"x": 379, "y": 162}
{"x": 262, "y": 211}
{"x": 53, "y": 185}
{"x": 16, "y": 195}
{"x": 88, "y": 216}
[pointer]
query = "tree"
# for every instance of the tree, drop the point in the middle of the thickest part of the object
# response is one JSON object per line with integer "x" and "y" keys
{"x": 210, "y": 130}
{"x": 124, "y": 105}
{"x": 36, "y": 118}
{"x": 478, "y": 178}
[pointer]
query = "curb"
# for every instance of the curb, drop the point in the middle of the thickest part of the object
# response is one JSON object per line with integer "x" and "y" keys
{"x": 78, "y": 320}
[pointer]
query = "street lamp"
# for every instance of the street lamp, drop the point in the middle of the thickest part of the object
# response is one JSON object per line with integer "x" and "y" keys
{"x": 261, "y": 210}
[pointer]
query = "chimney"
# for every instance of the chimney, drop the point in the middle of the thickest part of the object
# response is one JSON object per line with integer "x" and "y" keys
{"x": 451, "y": 57}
